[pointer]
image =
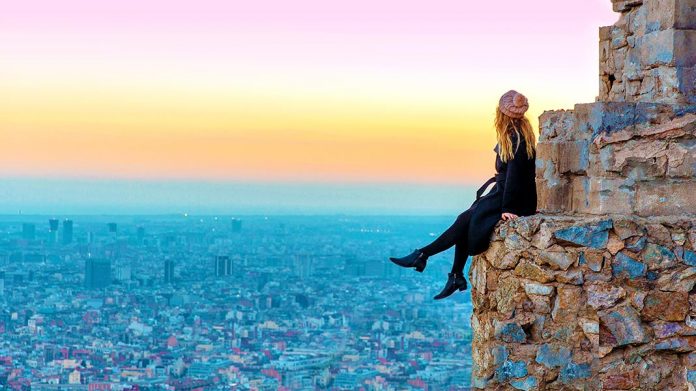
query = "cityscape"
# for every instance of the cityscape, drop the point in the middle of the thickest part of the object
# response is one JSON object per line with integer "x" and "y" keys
{"x": 253, "y": 302}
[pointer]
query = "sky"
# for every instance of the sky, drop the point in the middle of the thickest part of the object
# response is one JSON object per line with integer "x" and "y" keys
{"x": 304, "y": 91}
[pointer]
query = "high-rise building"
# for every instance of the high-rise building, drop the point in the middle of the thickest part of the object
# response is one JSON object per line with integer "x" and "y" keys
{"x": 113, "y": 228}
{"x": 236, "y": 225}
{"x": 97, "y": 273}
{"x": 53, "y": 230}
{"x": 28, "y": 231}
{"x": 141, "y": 234}
{"x": 67, "y": 231}
{"x": 123, "y": 273}
{"x": 223, "y": 266}
{"x": 168, "y": 271}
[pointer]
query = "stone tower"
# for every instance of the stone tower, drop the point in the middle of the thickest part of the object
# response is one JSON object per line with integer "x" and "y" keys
{"x": 598, "y": 291}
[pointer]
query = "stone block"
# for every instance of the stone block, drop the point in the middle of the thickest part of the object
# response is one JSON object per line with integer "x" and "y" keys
{"x": 532, "y": 271}
{"x": 552, "y": 195}
{"x": 553, "y": 356}
{"x": 574, "y": 157}
{"x": 670, "y": 47}
{"x": 689, "y": 257}
{"x": 604, "y": 117}
{"x": 538, "y": 289}
{"x": 558, "y": 260}
{"x": 569, "y": 301}
{"x": 682, "y": 160}
{"x": 500, "y": 354}
{"x": 572, "y": 277}
{"x": 680, "y": 280}
{"x": 593, "y": 259}
{"x": 668, "y": 85}
{"x": 601, "y": 296}
{"x": 667, "y": 306}
{"x": 579, "y": 194}
{"x": 605, "y": 195}
{"x": 499, "y": 257}
{"x": 623, "y": 326}
{"x": 684, "y": 45}
{"x": 687, "y": 83}
{"x": 625, "y": 5}
{"x": 658, "y": 257}
{"x": 626, "y": 228}
{"x": 623, "y": 265}
{"x": 573, "y": 372}
{"x": 556, "y": 124}
{"x": 666, "y": 329}
{"x": 506, "y": 296}
{"x": 666, "y": 197}
{"x": 593, "y": 235}
{"x": 658, "y": 233}
{"x": 685, "y": 14}
{"x": 527, "y": 226}
{"x": 589, "y": 326}
{"x": 511, "y": 370}
{"x": 641, "y": 160}
{"x": 526, "y": 384}
{"x": 614, "y": 245}
{"x": 515, "y": 241}
{"x": 677, "y": 344}
{"x": 477, "y": 275}
{"x": 621, "y": 380}
{"x": 541, "y": 304}
{"x": 510, "y": 332}
{"x": 665, "y": 14}
{"x": 543, "y": 238}
{"x": 636, "y": 243}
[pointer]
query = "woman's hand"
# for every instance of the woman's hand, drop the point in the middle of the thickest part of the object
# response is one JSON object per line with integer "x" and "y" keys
{"x": 509, "y": 216}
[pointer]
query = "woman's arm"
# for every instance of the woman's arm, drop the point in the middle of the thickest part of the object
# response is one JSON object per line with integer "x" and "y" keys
{"x": 513, "y": 177}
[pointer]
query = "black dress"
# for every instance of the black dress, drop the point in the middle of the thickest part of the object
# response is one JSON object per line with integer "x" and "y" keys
{"x": 514, "y": 192}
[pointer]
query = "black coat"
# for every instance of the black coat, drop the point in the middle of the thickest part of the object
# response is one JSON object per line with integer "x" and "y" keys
{"x": 514, "y": 192}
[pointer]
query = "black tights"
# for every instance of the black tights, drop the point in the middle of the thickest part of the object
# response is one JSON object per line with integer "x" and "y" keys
{"x": 455, "y": 235}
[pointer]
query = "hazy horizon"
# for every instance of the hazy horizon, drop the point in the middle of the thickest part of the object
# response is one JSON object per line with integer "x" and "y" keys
{"x": 41, "y": 196}
{"x": 308, "y": 90}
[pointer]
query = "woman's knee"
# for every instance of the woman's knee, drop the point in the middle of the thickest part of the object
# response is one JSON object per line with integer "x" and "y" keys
{"x": 464, "y": 216}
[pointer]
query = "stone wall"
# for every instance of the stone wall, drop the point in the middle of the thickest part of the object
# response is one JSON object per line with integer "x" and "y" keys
{"x": 598, "y": 290}
{"x": 648, "y": 56}
{"x": 586, "y": 303}
{"x": 618, "y": 157}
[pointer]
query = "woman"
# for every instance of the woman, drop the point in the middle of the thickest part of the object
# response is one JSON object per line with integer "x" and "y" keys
{"x": 513, "y": 195}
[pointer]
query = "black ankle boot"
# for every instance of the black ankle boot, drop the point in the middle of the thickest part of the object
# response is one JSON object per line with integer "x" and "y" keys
{"x": 416, "y": 259}
{"x": 454, "y": 282}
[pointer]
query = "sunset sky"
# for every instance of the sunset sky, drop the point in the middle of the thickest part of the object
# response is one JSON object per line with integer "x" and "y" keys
{"x": 374, "y": 91}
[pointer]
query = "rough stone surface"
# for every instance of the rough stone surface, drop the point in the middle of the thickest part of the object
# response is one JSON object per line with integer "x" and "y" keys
{"x": 597, "y": 292}
{"x": 588, "y": 324}
{"x": 672, "y": 306}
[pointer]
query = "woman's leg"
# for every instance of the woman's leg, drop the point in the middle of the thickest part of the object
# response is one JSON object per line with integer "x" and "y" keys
{"x": 460, "y": 256}
{"x": 455, "y": 233}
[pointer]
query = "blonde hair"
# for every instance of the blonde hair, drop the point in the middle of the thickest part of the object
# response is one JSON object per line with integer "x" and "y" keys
{"x": 504, "y": 126}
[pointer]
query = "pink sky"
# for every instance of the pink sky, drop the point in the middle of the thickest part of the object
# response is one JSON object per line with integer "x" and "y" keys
{"x": 208, "y": 79}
